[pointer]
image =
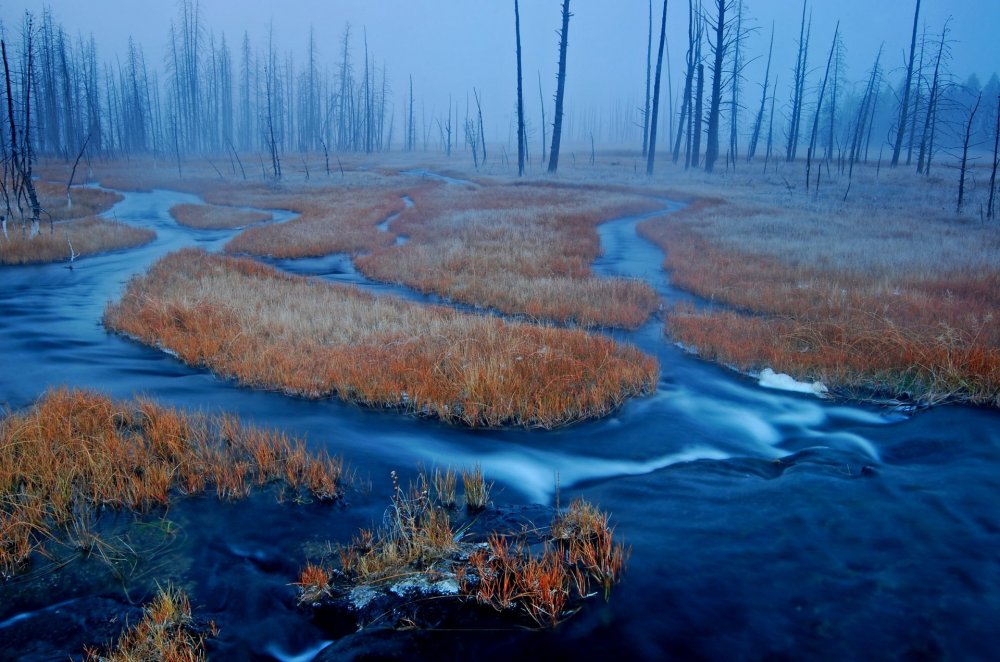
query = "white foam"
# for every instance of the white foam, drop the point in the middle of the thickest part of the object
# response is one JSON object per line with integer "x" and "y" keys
{"x": 770, "y": 379}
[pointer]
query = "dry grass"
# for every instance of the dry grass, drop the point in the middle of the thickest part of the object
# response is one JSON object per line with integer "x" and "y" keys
{"x": 83, "y": 201}
{"x": 215, "y": 217}
{"x": 166, "y": 633}
{"x": 70, "y": 239}
{"x": 547, "y": 580}
{"x": 306, "y": 337}
{"x": 523, "y": 249}
{"x": 76, "y": 452}
{"x": 886, "y": 292}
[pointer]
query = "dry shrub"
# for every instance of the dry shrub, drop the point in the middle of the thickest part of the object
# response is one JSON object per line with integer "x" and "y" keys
{"x": 267, "y": 329}
{"x": 60, "y": 242}
{"x": 215, "y": 217}
{"x": 166, "y": 633}
{"x": 76, "y": 452}
{"x": 862, "y": 307}
{"x": 523, "y": 249}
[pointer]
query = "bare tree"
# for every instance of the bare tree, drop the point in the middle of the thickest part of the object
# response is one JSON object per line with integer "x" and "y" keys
{"x": 759, "y": 121}
{"x": 990, "y": 209}
{"x": 965, "y": 153}
{"x": 799, "y": 84}
{"x": 721, "y": 26}
{"x": 819, "y": 107}
{"x": 520, "y": 95}
{"x": 924, "y": 154}
{"x": 656, "y": 93}
{"x": 649, "y": 64}
{"x": 560, "y": 90}
{"x": 904, "y": 107}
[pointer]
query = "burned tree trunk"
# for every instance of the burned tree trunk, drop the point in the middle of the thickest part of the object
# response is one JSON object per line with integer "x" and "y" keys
{"x": 520, "y": 94}
{"x": 649, "y": 58}
{"x": 719, "y": 52}
{"x": 798, "y": 86}
{"x": 904, "y": 107}
{"x": 656, "y": 93}
{"x": 965, "y": 153}
{"x": 990, "y": 209}
{"x": 759, "y": 121}
{"x": 560, "y": 90}
{"x": 819, "y": 107}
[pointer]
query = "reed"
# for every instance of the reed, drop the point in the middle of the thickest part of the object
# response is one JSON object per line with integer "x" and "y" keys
{"x": 77, "y": 452}
{"x": 267, "y": 329}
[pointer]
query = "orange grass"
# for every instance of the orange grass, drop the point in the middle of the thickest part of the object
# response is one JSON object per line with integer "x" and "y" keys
{"x": 522, "y": 249}
{"x": 267, "y": 329}
{"x": 505, "y": 573}
{"x": 76, "y": 452}
{"x": 214, "y": 217}
{"x": 83, "y": 201}
{"x": 886, "y": 324}
{"x": 53, "y": 244}
{"x": 166, "y": 633}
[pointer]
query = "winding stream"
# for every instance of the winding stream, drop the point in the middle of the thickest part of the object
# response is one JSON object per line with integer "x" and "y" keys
{"x": 762, "y": 523}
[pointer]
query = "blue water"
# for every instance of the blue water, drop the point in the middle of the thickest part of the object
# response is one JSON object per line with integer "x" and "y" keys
{"x": 762, "y": 523}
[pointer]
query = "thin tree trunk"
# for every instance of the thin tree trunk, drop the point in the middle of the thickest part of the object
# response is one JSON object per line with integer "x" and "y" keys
{"x": 965, "y": 153}
{"x": 656, "y": 92}
{"x": 904, "y": 108}
{"x": 649, "y": 58}
{"x": 819, "y": 106}
{"x": 560, "y": 90}
{"x": 520, "y": 94}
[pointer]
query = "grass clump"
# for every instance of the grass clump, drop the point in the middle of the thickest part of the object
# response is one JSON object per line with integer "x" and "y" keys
{"x": 477, "y": 490}
{"x": 216, "y": 217}
{"x": 267, "y": 329}
{"x": 166, "y": 633}
{"x": 523, "y": 249}
{"x": 69, "y": 240}
{"x": 542, "y": 574}
{"x": 77, "y": 452}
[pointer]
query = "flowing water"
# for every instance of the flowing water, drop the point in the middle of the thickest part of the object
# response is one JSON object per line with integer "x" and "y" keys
{"x": 762, "y": 523}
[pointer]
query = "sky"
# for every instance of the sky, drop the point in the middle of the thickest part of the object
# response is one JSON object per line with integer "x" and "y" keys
{"x": 453, "y": 46}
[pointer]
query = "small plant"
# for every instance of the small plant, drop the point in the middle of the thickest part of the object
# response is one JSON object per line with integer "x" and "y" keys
{"x": 167, "y": 632}
{"x": 314, "y": 582}
{"x": 445, "y": 483}
{"x": 477, "y": 490}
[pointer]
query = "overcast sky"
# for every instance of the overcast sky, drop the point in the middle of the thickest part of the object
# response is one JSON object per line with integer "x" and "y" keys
{"x": 451, "y": 46}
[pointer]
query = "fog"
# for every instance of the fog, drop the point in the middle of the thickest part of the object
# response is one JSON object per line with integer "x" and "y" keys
{"x": 450, "y": 48}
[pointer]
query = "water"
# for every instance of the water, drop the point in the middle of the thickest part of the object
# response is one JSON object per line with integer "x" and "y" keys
{"x": 762, "y": 523}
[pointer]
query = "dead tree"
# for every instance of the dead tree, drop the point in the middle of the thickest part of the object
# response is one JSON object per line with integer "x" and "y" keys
{"x": 819, "y": 107}
{"x": 865, "y": 109}
{"x": 799, "y": 85}
{"x": 721, "y": 27}
{"x": 698, "y": 118}
{"x": 990, "y": 209}
{"x": 560, "y": 90}
{"x": 656, "y": 93}
{"x": 965, "y": 153}
{"x": 904, "y": 107}
{"x": 23, "y": 183}
{"x": 924, "y": 154}
{"x": 649, "y": 63}
{"x": 541, "y": 101}
{"x": 520, "y": 95}
{"x": 759, "y": 121}
{"x": 686, "y": 102}
{"x": 482, "y": 133}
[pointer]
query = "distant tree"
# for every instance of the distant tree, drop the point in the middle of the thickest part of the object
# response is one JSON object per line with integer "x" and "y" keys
{"x": 799, "y": 85}
{"x": 990, "y": 208}
{"x": 649, "y": 63}
{"x": 560, "y": 90}
{"x": 819, "y": 107}
{"x": 904, "y": 106}
{"x": 723, "y": 31}
{"x": 759, "y": 120}
{"x": 926, "y": 150}
{"x": 691, "y": 65}
{"x": 965, "y": 152}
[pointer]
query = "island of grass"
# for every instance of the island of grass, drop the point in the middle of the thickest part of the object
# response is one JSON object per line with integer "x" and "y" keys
{"x": 76, "y": 453}
{"x": 69, "y": 229}
{"x": 267, "y": 329}
{"x": 881, "y": 292}
{"x": 216, "y": 217}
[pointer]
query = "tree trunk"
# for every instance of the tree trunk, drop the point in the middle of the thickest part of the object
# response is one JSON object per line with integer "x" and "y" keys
{"x": 649, "y": 58}
{"x": 965, "y": 153}
{"x": 719, "y": 51}
{"x": 656, "y": 93}
{"x": 520, "y": 93}
{"x": 819, "y": 106}
{"x": 698, "y": 109}
{"x": 560, "y": 90}
{"x": 904, "y": 108}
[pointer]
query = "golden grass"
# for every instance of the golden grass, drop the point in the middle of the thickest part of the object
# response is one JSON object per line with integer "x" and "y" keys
{"x": 523, "y": 249}
{"x": 879, "y": 310}
{"x": 76, "y": 452}
{"x": 166, "y": 633}
{"x": 70, "y": 239}
{"x": 267, "y": 329}
{"x": 505, "y": 573}
{"x": 83, "y": 201}
{"x": 215, "y": 217}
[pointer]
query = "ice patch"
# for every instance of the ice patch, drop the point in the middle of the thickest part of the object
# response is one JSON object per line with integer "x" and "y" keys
{"x": 770, "y": 379}
{"x": 421, "y": 584}
{"x": 362, "y": 596}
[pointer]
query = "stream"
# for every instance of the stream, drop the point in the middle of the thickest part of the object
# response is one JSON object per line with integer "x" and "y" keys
{"x": 762, "y": 523}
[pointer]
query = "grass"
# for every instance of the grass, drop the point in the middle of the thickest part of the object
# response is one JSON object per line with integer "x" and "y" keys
{"x": 305, "y": 337}
{"x": 77, "y": 452}
{"x": 215, "y": 217}
{"x": 886, "y": 293}
{"x": 520, "y": 249}
{"x": 547, "y": 580}
{"x": 69, "y": 240}
{"x": 166, "y": 633}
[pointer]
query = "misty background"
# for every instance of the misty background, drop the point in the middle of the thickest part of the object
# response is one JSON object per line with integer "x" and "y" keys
{"x": 452, "y": 49}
